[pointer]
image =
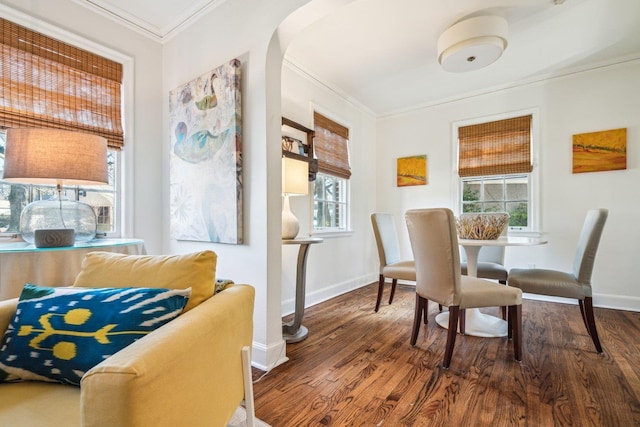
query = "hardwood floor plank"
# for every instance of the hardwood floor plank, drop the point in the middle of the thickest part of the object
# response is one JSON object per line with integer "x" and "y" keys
{"x": 357, "y": 368}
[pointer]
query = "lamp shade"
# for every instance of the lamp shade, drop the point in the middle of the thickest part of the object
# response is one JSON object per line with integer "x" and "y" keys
{"x": 295, "y": 176}
{"x": 50, "y": 156}
{"x": 473, "y": 43}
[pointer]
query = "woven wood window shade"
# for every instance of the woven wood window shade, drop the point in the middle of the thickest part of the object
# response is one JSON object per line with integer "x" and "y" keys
{"x": 49, "y": 84}
{"x": 495, "y": 148}
{"x": 331, "y": 146}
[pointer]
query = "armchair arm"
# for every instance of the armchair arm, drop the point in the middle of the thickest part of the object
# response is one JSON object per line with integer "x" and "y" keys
{"x": 7, "y": 312}
{"x": 188, "y": 372}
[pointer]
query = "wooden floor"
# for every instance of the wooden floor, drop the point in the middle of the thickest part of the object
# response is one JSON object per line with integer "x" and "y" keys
{"x": 357, "y": 368}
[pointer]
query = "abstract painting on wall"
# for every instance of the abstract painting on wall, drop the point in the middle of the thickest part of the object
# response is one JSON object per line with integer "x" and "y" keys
{"x": 600, "y": 151}
{"x": 412, "y": 171}
{"x": 205, "y": 163}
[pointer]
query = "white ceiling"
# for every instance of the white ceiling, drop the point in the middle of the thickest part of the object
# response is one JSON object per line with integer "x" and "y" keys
{"x": 382, "y": 54}
{"x": 156, "y": 18}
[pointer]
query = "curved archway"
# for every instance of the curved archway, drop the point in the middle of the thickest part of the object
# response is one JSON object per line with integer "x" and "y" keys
{"x": 297, "y": 21}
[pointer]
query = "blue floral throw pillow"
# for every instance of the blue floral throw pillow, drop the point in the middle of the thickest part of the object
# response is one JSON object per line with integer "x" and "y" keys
{"x": 58, "y": 334}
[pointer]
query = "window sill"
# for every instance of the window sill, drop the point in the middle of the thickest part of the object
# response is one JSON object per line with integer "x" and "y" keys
{"x": 331, "y": 234}
{"x": 525, "y": 233}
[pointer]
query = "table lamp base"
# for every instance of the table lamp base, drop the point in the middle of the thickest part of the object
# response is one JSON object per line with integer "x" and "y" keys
{"x": 54, "y": 238}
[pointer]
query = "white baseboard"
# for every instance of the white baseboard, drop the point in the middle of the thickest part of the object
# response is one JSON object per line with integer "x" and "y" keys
{"x": 324, "y": 294}
{"x": 614, "y": 302}
{"x": 266, "y": 358}
{"x": 617, "y": 302}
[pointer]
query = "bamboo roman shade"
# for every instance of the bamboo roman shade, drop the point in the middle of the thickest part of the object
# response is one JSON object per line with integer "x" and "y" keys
{"x": 45, "y": 83}
{"x": 331, "y": 146}
{"x": 495, "y": 148}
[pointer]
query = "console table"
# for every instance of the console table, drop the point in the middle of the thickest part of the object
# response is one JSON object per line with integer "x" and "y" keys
{"x": 294, "y": 331}
{"x": 21, "y": 262}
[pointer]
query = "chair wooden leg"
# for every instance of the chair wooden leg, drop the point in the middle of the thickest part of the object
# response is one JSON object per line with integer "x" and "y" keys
{"x": 515, "y": 329}
{"x": 420, "y": 303}
{"x": 454, "y": 311}
{"x": 380, "y": 289}
{"x": 591, "y": 323}
{"x": 504, "y": 309}
{"x": 425, "y": 310}
{"x": 584, "y": 315}
{"x": 394, "y": 282}
{"x": 463, "y": 321}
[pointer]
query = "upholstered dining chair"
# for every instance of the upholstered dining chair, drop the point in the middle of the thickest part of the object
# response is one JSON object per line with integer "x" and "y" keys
{"x": 391, "y": 265}
{"x": 576, "y": 284}
{"x": 434, "y": 242}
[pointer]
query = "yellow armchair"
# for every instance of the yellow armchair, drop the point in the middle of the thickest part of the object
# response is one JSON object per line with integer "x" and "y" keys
{"x": 193, "y": 371}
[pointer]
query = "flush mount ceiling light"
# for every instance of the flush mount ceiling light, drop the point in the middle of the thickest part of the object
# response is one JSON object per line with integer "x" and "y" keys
{"x": 472, "y": 44}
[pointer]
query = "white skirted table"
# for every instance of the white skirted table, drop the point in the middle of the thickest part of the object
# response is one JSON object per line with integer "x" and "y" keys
{"x": 478, "y": 323}
{"x": 22, "y": 263}
{"x": 294, "y": 331}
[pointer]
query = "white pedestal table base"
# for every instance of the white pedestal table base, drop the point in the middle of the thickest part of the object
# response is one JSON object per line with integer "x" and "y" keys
{"x": 477, "y": 323}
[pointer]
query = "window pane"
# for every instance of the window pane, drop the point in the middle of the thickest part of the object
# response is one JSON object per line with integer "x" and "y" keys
{"x": 330, "y": 190}
{"x": 317, "y": 214}
{"x": 518, "y": 215}
{"x": 498, "y": 194}
{"x": 493, "y": 207}
{"x": 13, "y": 198}
{"x": 471, "y": 190}
{"x": 494, "y": 190}
{"x": 471, "y": 207}
{"x": 517, "y": 189}
{"x": 330, "y": 203}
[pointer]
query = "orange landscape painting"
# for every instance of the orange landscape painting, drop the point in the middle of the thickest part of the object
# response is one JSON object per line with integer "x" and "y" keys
{"x": 600, "y": 151}
{"x": 412, "y": 171}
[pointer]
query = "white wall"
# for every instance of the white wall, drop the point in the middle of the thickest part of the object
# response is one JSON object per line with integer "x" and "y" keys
{"x": 606, "y": 98}
{"x": 243, "y": 30}
{"x": 347, "y": 261}
{"x": 247, "y": 30}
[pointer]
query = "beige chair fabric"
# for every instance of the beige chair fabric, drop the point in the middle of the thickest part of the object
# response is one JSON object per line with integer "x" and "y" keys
{"x": 576, "y": 284}
{"x": 391, "y": 265}
{"x": 434, "y": 242}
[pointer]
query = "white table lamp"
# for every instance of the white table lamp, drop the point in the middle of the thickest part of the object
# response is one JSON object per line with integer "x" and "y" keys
{"x": 295, "y": 182}
{"x": 53, "y": 156}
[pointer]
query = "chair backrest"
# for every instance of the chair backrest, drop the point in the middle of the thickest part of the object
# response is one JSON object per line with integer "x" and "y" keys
{"x": 494, "y": 254}
{"x": 434, "y": 242}
{"x": 588, "y": 245}
{"x": 384, "y": 229}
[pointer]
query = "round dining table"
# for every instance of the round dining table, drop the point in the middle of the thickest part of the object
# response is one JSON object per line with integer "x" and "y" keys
{"x": 477, "y": 323}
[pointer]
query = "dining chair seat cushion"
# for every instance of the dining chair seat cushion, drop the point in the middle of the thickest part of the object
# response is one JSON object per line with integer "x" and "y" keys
{"x": 488, "y": 270}
{"x": 403, "y": 270}
{"x": 482, "y": 293}
{"x": 548, "y": 282}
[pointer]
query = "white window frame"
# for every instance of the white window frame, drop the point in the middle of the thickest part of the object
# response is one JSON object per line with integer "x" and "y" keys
{"x": 484, "y": 180}
{"x": 123, "y": 202}
{"x": 345, "y": 202}
{"x": 534, "y": 207}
